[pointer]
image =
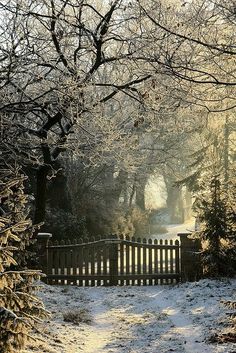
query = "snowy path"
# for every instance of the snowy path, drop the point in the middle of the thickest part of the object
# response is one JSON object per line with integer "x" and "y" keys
{"x": 102, "y": 328}
{"x": 155, "y": 319}
{"x": 156, "y": 316}
{"x": 174, "y": 229}
{"x": 191, "y": 333}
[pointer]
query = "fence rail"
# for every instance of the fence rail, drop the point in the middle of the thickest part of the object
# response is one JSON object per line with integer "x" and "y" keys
{"x": 113, "y": 261}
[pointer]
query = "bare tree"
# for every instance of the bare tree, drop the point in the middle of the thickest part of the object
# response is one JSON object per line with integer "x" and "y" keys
{"x": 194, "y": 44}
{"x": 60, "y": 66}
{"x": 88, "y": 76}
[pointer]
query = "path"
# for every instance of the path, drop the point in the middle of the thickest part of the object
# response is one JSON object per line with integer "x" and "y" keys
{"x": 146, "y": 319}
{"x": 174, "y": 229}
{"x": 191, "y": 333}
{"x": 136, "y": 320}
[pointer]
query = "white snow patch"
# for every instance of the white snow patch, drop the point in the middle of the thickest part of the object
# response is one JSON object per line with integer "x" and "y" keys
{"x": 174, "y": 229}
{"x": 146, "y": 319}
{"x": 191, "y": 333}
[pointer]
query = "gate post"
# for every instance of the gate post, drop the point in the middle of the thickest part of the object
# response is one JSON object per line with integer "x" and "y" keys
{"x": 113, "y": 256}
{"x": 42, "y": 242}
{"x": 191, "y": 267}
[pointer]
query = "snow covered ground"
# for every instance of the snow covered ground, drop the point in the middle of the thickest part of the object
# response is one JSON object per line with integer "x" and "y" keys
{"x": 155, "y": 319}
{"x": 174, "y": 229}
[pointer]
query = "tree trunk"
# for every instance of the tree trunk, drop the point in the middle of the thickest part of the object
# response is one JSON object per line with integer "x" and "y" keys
{"x": 40, "y": 196}
{"x": 132, "y": 194}
{"x": 188, "y": 205}
{"x": 226, "y": 151}
{"x": 114, "y": 186}
{"x": 140, "y": 192}
{"x": 174, "y": 200}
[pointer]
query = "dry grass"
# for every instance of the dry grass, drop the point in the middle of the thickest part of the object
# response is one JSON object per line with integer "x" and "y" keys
{"x": 77, "y": 316}
{"x": 229, "y": 322}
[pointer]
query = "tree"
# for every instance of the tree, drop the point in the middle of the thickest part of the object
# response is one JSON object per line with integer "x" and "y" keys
{"x": 217, "y": 215}
{"x": 20, "y": 309}
{"x": 88, "y": 77}
{"x": 193, "y": 44}
{"x": 59, "y": 69}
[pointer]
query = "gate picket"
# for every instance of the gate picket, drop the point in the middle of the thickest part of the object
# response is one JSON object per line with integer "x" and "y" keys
{"x": 161, "y": 260}
{"x": 139, "y": 259}
{"x": 171, "y": 261}
{"x": 105, "y": 264}
{"x": 150, "y": 260}
{"x": 144, "y": 260}
{"x": 86, "y": 262}
{"x": 133, "y": 247}
{"x": 155, "y": 261}
{"x": 121, "y": 260}
{"x": 98, "y": 262}
{"x": 127, "y": 261}
{"x": 74, "y": 262}
{"x": 80, "y": 261}
{"x": 113, "y": 258}
{"x": 166, "y": 259}
{"x": 92, "y": 261}
{"x": 56, "y": 263}
{"x": 50, "y": 268}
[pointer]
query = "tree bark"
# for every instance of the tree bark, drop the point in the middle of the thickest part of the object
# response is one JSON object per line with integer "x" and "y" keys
{"x": 140, "y": 192}
{"x": 41, "y": 194}
{"x": 226, "y": 151}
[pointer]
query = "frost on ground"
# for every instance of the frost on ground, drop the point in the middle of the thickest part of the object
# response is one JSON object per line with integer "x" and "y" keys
{"x": 153, "y": 319}
{"x": 174, "y": 229}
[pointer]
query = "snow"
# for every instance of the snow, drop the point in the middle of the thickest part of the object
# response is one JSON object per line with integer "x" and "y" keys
{"x": 148, "y": 319}
{"x": 174, "y": 229}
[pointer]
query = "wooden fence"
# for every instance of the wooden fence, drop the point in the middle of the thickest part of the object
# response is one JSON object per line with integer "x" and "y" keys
{"x": 112, "y": 261}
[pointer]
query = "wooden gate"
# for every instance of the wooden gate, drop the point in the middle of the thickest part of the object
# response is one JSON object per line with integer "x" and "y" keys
{"x": 113, "y": 261}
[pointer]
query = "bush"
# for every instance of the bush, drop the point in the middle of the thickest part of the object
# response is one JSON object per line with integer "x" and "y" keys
{"x": 140, "y": 221}
{"x": 63, "y": 224}
{"x": 77, "y": 316}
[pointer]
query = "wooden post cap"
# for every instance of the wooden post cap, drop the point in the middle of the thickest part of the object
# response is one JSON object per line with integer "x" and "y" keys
{"x": 44, "y": 236}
